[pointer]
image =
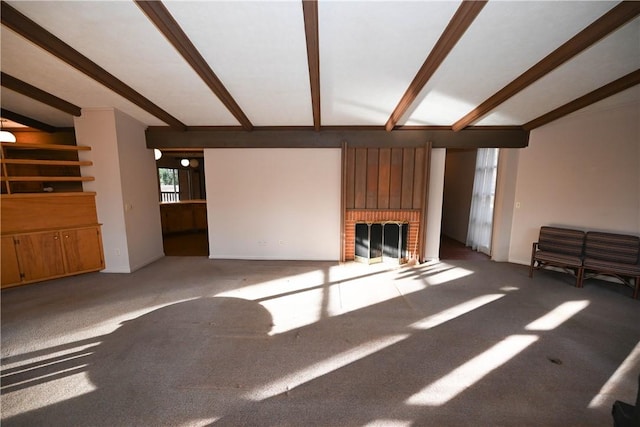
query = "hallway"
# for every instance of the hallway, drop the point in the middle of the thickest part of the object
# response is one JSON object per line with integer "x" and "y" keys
{"x": 451, "y": 249}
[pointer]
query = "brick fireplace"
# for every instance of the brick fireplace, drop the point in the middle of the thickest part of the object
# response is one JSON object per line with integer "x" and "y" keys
{"x": 353, "y": 216}
{"x": 380, "y": 186}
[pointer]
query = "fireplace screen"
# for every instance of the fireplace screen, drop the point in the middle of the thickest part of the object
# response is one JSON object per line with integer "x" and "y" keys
{"x": 381, "y": 242}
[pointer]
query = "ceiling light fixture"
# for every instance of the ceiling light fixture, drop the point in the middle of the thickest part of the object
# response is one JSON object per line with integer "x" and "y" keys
{"x": 184, "y": 162}
{"x": 157, "y": 153}
{"x": 5, "y": 135}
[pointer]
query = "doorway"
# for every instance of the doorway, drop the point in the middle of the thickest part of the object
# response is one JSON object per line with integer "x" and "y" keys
{"x": 459, "y": 177}
{"x": 182, "y": 201}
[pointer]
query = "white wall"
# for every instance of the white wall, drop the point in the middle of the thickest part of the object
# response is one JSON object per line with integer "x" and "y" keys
{"x": 96, "y": 128}
{"x": 139, "y": 193}
{"x": 124, "y": 170}
{"x": 582, "y": 171}
{"x": 434, "y": 204}
{"x": 504, "y": 203}
{"x": 273, "y": 203}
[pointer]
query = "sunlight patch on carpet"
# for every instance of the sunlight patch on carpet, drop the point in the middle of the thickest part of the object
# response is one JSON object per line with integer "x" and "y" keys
{"x": 40, "y": 396}
{"x": 557, "y": 316}
{"x": 449, "y": 275}
{"x": 389, "y": 423}
{"x": 453, "y": 312}
{"x": 466, "y": 375}
{"x": 611, "y": 390}
{"x": 317, "y": 370}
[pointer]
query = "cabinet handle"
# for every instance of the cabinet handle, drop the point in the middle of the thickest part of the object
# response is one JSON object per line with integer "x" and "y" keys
{"x": 66, "y": 236}
{"x": 55, "y": 237}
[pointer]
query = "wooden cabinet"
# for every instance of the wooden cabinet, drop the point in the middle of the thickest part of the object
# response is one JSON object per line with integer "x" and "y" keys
{"x": 32, "y": 257}
{"x": 45, "y": 236}
{"x": 40, "y": 255}
{"x": 49, "y": 223}
{"x": 10, "y": 270}
{"x": 200, "y": 216}
{"x": 183, "y": 216}
{"x": 82, "y": 249}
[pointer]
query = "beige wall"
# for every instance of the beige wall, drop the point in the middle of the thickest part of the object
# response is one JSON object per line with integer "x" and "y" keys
{"x": 582, "y": 171}
{"x": 460, "y": 166}
{"x": 434, "y": 204}
{"x": 274, "y": 203}
{"x": 139, "y": 193}
{"x": 125, "y": 186}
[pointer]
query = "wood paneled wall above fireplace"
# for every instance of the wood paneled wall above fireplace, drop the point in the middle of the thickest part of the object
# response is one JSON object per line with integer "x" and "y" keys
{"x": 388, "y": 183}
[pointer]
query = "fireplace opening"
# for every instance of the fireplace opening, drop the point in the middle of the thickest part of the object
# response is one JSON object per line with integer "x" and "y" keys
{"x": 381, "y": 242}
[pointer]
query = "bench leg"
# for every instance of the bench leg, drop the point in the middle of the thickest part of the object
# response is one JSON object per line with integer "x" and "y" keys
{"x": 636, "y": 290}
{"x": 533, "y": 258}
{"x": 579, "y": 277}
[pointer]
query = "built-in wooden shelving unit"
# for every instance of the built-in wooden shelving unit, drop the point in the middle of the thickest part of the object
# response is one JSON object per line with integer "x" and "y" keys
{"x": 28, "y": 163}
{"x": 49, "y": 224}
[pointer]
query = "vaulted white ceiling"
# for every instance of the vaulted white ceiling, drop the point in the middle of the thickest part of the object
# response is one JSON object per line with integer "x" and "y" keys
{"x": 369, "y": 54}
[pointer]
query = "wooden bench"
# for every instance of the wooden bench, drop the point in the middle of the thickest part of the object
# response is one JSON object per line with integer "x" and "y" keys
{"x": 612, "y": 254}
{"x": 559, "y": 247}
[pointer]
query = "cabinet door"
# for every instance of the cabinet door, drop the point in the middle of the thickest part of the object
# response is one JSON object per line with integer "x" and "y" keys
{"x": 40, "y": 255}
{"x": 200, "y": 216}
{"x": 10, "y": 269}
{"x": 83, "y": 249}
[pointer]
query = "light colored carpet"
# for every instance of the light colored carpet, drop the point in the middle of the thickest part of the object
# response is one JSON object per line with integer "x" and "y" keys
{"x": 192, "y": 341}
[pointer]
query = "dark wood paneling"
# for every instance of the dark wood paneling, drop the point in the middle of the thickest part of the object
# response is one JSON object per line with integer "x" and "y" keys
{"x": 408, "y": 155}
{"x": 418, "y": 177}
{"x": 360, "y": 188}
{"x": 384, "y": 173}
{"x": 351, "y": 178}
{"x": 372, "y": 178}
{"x": 395, "y": 179}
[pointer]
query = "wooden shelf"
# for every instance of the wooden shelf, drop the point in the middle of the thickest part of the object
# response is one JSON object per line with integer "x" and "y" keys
{"x": 25, "y": 167}
{"x": 47, "y": 178}
{"x": 47, "y": 162}
{"x": 57, "y": 147}
{"x": 45, "y": 195}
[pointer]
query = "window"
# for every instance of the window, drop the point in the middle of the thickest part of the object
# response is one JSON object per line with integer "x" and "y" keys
{"x": 169, "y": 185}
{"x": 484, "y": 191}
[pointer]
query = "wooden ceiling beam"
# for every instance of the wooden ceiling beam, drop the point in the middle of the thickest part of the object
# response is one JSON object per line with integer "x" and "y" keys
{"x": 462, "y": 19}
{"x": 27, "y": 121}
{"x": 514, "y": 137}
{"x": 310, "y": 11}
{"x": 33, "y": 32}
{"x": 605, "y": 25}
{"x": 160, "y": 16}
{"x": 39, "y": 95}
{"x": 616, "y": 86}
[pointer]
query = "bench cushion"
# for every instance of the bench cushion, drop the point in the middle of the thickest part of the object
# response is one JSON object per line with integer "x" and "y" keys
{"x": 560, "y": 259}
{"x": 561, "y": 241}
{"x": 612, "y": 267}
{"x": 614, "y": 248}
